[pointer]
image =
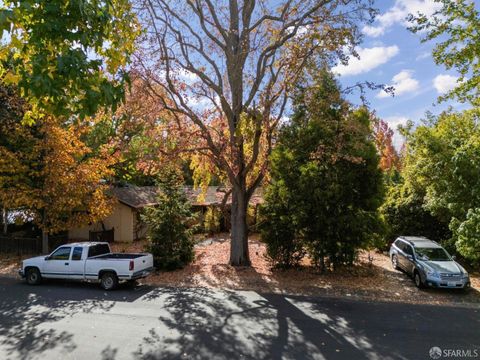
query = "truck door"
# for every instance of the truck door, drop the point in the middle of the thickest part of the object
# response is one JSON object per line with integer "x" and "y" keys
{"x": 57, "y": 264}
{"x": 77, "y": 263}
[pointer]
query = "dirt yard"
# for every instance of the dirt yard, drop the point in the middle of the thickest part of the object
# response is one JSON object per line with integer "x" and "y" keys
{"x": 375, "y": 280}
{"x": 369, "y": 280}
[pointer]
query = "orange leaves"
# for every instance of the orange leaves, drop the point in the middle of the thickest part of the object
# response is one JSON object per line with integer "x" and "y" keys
{"x": 73, "y": 188}
{"x": 56, "y": 177}
{"x": 389, "y": 157}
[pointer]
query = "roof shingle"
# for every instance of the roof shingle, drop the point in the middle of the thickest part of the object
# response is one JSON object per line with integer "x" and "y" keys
{"x": 140, "y": 196}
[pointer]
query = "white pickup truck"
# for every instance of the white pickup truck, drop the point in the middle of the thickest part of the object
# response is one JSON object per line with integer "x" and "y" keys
{"x": 87, "y": 261}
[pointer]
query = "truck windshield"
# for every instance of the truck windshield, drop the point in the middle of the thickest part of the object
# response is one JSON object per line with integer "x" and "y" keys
{"x": 98, "y": 249}
{"x": 432, "y": 254}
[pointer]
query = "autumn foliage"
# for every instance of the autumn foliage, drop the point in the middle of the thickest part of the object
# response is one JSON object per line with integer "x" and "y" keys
{"x": 47, "y": 170}
{"x": 389, "y": 157}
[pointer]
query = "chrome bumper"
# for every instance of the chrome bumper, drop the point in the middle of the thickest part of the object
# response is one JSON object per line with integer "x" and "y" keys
{"x": 21, "y": 273}
{"x": 142, "y": 273}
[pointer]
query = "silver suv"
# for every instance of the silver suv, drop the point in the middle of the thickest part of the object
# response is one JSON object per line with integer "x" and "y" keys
{"x": 428, "y": 263}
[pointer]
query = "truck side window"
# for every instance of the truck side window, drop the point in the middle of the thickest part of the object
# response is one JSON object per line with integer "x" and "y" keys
{"x": 77, "y": 253}
{"x": 61, "y": 254}
{"x": 99, "y": 249}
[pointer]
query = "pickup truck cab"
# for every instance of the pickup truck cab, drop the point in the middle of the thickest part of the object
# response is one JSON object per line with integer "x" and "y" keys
{"x": 92, "y": 261}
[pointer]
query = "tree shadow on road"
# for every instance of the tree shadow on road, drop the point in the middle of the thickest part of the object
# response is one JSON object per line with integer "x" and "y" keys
{"x": 26, "y": 314}
{"x": 207, "y": 324}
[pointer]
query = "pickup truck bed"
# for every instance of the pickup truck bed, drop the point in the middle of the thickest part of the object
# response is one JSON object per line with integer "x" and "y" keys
{"x": 118, "y": 256}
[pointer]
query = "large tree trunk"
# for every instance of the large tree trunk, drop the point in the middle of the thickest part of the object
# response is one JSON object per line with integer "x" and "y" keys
{"x": 239, "y": 255}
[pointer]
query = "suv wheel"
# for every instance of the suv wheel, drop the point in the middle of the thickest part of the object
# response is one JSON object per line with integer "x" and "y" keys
{"x": 395, "y": 262}
{"x": 33, "y": 276}
{"x": 418, "y": 280}
{"x": 109, "y": 281}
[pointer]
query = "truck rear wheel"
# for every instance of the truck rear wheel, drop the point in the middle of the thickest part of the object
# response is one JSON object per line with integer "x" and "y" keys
{"x": 33, "y": 276}
{"x": 109, "y": 280}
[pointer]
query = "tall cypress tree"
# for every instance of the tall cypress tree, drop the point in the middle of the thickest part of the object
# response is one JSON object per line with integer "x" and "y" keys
{"x": 169, "y": 233}
{"x": 326, "y": 183}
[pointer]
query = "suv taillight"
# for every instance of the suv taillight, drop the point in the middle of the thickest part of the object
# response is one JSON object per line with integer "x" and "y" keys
{"x": 132, "y": 265}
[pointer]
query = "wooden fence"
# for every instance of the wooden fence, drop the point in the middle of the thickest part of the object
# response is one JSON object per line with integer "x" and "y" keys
{"x": 28, "y": 245}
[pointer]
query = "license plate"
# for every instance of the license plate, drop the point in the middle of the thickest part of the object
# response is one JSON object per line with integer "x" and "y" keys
{"x": 451, "y": 283}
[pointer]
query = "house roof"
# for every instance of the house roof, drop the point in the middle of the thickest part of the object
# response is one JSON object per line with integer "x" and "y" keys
{"x": 141, "y": 196}
{"x": 136, "y": 196}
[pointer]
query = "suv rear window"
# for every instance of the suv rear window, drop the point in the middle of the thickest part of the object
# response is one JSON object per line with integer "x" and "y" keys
{"x": 99, "y": 249}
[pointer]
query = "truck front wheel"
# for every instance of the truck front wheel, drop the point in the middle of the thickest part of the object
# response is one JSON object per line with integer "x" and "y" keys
{"x": 109, "y": 280}
{"x": 33, "y": 276}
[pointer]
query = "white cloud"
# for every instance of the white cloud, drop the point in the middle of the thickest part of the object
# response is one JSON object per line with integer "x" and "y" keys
{"x": 393, "y": 123}
{"x": 199, "y": 103}
{"x": 403, "y": 83}
{"x": 187, "y": 76}
{"x": 302, "y": 30}
{"x": 370, "y": 58}
{"x": 423, "y": 55}
{"x": 398, "y": 13}
{"x": 444, "y": 83}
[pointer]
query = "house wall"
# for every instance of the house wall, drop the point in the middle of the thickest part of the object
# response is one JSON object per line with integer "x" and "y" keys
{"x": 121, "y": 220}
{"x": 139, "y": 227}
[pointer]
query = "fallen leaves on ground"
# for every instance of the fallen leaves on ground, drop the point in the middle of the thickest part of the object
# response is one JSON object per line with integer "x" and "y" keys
{"x": 375, "y": 280}
{"x": 371, "y": 278}
{"x": 10, "y": 263}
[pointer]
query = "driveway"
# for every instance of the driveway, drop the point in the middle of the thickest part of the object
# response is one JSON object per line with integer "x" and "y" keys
{"x": 80, "y": 321}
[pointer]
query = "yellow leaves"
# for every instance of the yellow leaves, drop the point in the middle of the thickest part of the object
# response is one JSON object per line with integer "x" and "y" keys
{"x": 123, "y": 29}
{"x": 58, "y": 178}
{"x": 10, "y": 78}
{"x": 32, "y": 115}
{"x": 203, "y": 170}
{"x": 246, "y": 126}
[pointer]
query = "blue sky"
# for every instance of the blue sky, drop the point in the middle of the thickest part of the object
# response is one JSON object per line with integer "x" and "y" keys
{"x": 392, "y": 55}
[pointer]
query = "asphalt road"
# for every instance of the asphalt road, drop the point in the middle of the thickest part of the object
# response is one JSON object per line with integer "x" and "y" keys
{"x": 80, "y": 321}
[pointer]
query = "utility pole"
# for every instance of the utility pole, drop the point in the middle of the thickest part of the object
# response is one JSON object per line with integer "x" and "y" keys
{"x": 44, "y": 233}
{"x": 44, "y": 242}
{"x": 5, "y": 220}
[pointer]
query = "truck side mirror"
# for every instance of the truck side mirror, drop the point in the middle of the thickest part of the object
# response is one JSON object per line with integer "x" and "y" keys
{"x": 454, "y": 257}
{"x": 47, "y": 257}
